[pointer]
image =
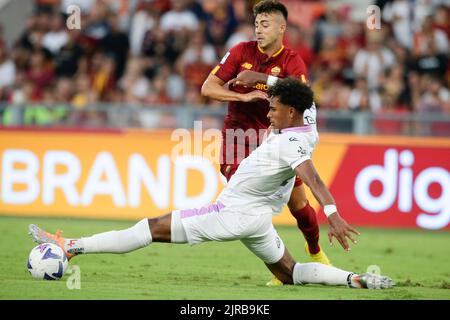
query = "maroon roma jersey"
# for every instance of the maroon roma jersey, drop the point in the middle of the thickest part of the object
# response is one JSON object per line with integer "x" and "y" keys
{"x": 248, "y": 56}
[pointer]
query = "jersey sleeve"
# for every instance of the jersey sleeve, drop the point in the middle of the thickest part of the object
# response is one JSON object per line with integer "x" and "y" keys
{"x": 228, "y": 67}
{"x": 294, "y": 150}
{"x": 296, "y": 68}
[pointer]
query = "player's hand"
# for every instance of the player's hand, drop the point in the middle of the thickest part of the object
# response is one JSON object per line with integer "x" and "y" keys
{"x": 253, "y": 96}
{"x": 340, "y": 230}
{"x": 248, "y": 78}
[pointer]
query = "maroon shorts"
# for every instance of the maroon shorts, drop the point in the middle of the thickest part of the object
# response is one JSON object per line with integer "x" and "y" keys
{"x": 231, "y": 156}
{"x": 228, "y": 170}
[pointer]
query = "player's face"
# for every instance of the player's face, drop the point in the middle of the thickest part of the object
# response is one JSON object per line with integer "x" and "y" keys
{"x": 280, "y": 115}
{"x": 269, "y": 29}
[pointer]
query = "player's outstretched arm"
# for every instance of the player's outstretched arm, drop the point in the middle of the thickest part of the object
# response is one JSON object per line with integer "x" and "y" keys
{"x": 213, "y": 88}
{"x": 338, "y": 228}
{"x": 249, "y": 78}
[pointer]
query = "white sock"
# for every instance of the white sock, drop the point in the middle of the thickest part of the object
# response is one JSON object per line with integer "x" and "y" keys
{"x": 138, "y": 236}
{"x": 320, "y": 273}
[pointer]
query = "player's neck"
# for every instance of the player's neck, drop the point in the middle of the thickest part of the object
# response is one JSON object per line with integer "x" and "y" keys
{"x": 272, "y": 49}
{"x": 298, "y": 123}
{"x": 295, "y": 124}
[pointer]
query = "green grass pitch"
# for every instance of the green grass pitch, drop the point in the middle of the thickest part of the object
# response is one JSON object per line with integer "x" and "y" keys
{"x": 419, "y": 261}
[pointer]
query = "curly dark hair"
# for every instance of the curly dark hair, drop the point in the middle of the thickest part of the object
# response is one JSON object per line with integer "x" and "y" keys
{"x": 270, "y": 6}
{"x": 293, "y": 93}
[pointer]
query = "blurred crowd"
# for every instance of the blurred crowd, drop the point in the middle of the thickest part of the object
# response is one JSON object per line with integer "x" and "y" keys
{"x": 159, "y": 52}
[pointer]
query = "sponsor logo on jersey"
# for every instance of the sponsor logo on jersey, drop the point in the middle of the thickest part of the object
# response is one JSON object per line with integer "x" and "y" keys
{"x": 293, "y": 139}
{"x": 275, "y": 71}
{"x": 261, "y": 86}
{"x": 247, "y": 65}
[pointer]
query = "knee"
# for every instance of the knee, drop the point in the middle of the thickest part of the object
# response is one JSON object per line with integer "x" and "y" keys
{"x": 297, "y": 204}
{"x": 298, "y": 199}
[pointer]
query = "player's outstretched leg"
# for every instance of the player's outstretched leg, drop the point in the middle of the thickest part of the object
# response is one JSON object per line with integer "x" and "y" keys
{"x": 322, "y": 274}
{"x": 138, "y": 236}
{"x": 291, "y": 272}
{"x": 121, "y": 241}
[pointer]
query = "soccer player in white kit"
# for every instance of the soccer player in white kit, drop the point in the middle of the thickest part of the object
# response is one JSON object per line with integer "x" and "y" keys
{"x": 243, "y": 211}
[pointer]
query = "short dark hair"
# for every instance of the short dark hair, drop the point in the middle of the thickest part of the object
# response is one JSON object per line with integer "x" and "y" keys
{"x": 270, "y": 6}
{"x": 293, "y": 93}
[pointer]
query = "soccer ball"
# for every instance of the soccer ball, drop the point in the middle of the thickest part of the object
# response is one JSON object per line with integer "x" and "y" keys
{"x": 47, "y": 261}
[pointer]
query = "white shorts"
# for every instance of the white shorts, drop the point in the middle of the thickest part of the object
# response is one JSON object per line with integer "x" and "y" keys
{"x": 216, "y": 223}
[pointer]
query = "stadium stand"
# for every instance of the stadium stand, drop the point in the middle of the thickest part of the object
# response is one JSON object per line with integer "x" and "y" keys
{"x": 151, "y": 53}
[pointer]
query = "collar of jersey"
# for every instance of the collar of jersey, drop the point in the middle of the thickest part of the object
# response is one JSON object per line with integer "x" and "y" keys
{"x": 301, "y": 129}
{"x": 274, "y": 55}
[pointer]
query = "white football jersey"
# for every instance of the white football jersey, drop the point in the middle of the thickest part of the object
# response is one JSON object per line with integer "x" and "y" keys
{"x": 264, "y": 180}
{"x": 309, "y": 119}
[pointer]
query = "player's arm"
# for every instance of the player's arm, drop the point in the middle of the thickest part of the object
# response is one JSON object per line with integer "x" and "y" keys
{"x": 295, "y": 68}
{"x": 214, "y": 88}
{"x": 249, "y": 78}
{"x": 338, "y": 226}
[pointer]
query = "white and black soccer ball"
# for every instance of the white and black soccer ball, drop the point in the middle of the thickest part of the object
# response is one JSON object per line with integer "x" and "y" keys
{"x": 47, "y": 261}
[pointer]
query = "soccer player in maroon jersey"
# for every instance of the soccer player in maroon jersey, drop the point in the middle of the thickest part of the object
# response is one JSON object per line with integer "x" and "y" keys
{"x": 249, "y": 68}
